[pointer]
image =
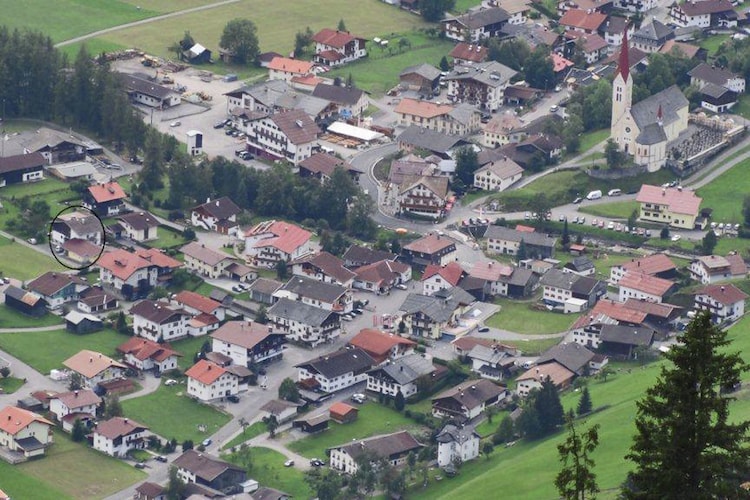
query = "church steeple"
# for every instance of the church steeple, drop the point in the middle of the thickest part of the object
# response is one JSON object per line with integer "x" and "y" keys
{"x": 623, "y": 129}
{"x": 623, "y": 64}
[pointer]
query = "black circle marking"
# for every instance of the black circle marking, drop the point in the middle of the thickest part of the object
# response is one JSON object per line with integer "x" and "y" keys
{"x": 52, "y": 249}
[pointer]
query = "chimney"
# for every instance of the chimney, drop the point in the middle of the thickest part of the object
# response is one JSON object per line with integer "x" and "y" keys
{"x": 473, "y": 388}
{"x": 91, "y": 359}
{"x": 663, "y": 191}
{"x": 722, "y": 288}
{"x": 75, "y": 393}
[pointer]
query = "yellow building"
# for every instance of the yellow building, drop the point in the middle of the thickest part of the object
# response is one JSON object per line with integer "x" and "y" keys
{"x": 677, "y": 207}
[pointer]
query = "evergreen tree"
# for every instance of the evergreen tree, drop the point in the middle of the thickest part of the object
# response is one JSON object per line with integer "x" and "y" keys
{"x": 505, "y": 431}
{"x": 466, "y": 165}
{"x": 576, "y": 480}
{"x": 522, "y": 253}
{"x": 664, "y": 233}
{"x": 112, "y": 407}
{"x": 444, "y": 66}
{"x": 433, "y": 10}
{"x": 262, "y": 315}
{"x": 709, "y": 243}
{"x": 584, "y": 404}
{"x": 175, "y": 487}
{"x": 746, "y": 210}
{"x": 76, "y": 382}
{"x": 341, "y": 26}
{"x": 282, "y": 270}
{"x": 565, "y": 235}
{"x": 686, "y": 446}
{"x": 271, "y": 425}
{"x": 78, "y": 433}
{"x": 487, "y": 449}
{"x": 399, "y": 402}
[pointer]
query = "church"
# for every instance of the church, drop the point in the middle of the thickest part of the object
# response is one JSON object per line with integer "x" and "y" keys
{"x": 644, "y": 129}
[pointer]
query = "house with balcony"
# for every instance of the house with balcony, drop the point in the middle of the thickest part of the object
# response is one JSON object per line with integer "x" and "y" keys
{"x": 462, "y": 119}
{"x": 468, "y": 400}
{"x": 118, "y": 436}
{"x": 322, "y": 165}
{"x": 636, "y": 285}
{"x": 676, "y": 207}
{"x": 393, "y": 448}
{"x": 437, "y": 278}
{"x": 575, "y": 357}
{"x": 139, "y": 226}
{"x": 202, "y": 469}
{"x": 218, "y": 215}
{"x": 324, "y": 267}
{"x": 57, "y": 288}
{"x": 480, "y": 85}
{"x": 429, "y": 249}
{"x": 475, "y": 26}
{"x": 335, "y": 371}
{"x": 382, "y": 346}
{"x": 467, "y": 53}
{"x": 635, "y": 5}
{"x": 67, "y": 407}
{"x": 583, "y": 21}
{"x": 457, "y": 444}
{"x": 94, "y": 368}
{"x": 208, "y": 381}
{"x": 358, "y": 255}
{"x": 144, "y": 354}
{"x": 303, "y": 323}
{"x": 195, "y": 304}
{"x": 24, "y": 432}
{"x": 726, "y": 302}
{"x": 503, "y": 280}
{"x": 656, "y": 264}
{"x": 159, "y": 322}
{"x": 492, "y": 362}
{"x": 283, "y": 68}
{"x": 424, "y": 196}
{"x": 534, "y": 376}
{"x": 651, "y": 37}
{"x": 128, "y": 274}
{"x": 350, "y": 102}
{"x": 381, "y": 276}
{"x": 105, "y": 200}
{"x": 326, "y": 296}
{"x": 403, "y": 375}
{"x": 336, "y": 48}
{"x": 270, "y": 242}
{"x": 77, "y": 226}
{"x": 248, "y": 343}
{"x": 710, "y": 269}
{"x": 21, "y": 168}
{"x": 206, "y": 261}
{"x": 497, "y": 175}
{"x": 287, "y": 135}
{"x": 431, "y": 316}
{"x": 703, "y": 14}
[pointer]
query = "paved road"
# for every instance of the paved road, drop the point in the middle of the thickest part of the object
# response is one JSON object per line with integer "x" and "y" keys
{"x": 34, "y": 329}
{"x": 35, "y": 381}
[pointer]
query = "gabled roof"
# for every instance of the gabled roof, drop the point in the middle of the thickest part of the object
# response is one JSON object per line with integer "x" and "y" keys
{"x": 197, "y": 301}
{"x": 381, "y": 271}
{"x": 358, "y": 253}
{"x": 493, "y": 355}
{"x": 338, "y": 93}
{"x": 333, "y": 38}
{"x": 383, "y": 446}
{"x": 75, "y": 318}
{"x": 158, "y": 258}
{"x": 654, "y": 31}
{"x": 265, "y": 285}
{"x": 491, "y": 270}
{"x": 452, "y": 434}
{"x": 110, "y": 191}
{"x": 205, "y": 372}
{"x": 406, "y": 369}
{"x": 117, "y": 427}
{"x": 440, "y": 306}
{"x": 205, "y": 466}
{"x": 503, "y": 123}
{"x": 556, "y": 372}
{"x": 51, "y": 282}
{"x": 429, "y": 244}
{"x": 508, "y": 234}
{"x": 91, "y": 363}
{"x": 661, "y": 310}
{"x": 378, "y": 344}
{"x": 726, "y": 294}
{"x": 329, "y": 264}
{"x": 451, "y": 272}
{"x": 651, "y": 264}
{"x": 286, "y": 237}
{"x": 437, "y": 184}
{"x": 429, "y": 139}
{"x": 341, "y": 409}
{"x": 21, "y": 295}
{"x": 481, "y": 18}
{"x": 556, "y": 278}
{"x": 296, "y": 125}
{"x": 314, "y": 289}
{"x": 688, "y": 50}
{"x": 14, "y": 163}
{"x": 645, "y": 283}
{"x": 134, "y": 83}
{"x": 628, "y": 335}
{"x": 472, "y": 393}
{"x": 422, "y": 109}
{"x": 489, "y": 73}
{"x": 577, "y": 18}
{"x": 220, "y": 208}
{"x": 338, "y": 363}
{"x": 143, "y": 349}
{"x": 426, "y": 71}
{"x": 13, "y": 419}
{"x": 607, "y": 311}
{"x": 139, "y": 221}
{"x": 201, "y": 253}
{"x": 157, "y": 312}
{"x": 504, "y": 168}
{"x": 276, "y": 406}
{"x": 121, "y": 263}
{"x": 712, "y": 74}
{"x": 671, "y": 100}
{"x": 300, "y": 312}
{"x": 569, "y": 354}
{"x": 681, "y": 201}
{"x": 78, "y": 399}
{"x": 83, "y": 248}
{"x": 469, "y": 52}
{"x": 693, "y": 8}
{"x": 246, "y": 334}
{"x": 290, "y": 65}
{"x": 325, "y": 164}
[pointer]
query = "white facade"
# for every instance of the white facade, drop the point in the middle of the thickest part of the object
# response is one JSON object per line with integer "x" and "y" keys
{"x": 38, "y": 430}
{"x": 635, "y": 5}
{"x": 390, "y": 388}
{"x": 155, "y": 331}
{"x": 486, "y": 179}
{"x": 122, "y": 445}
{"x": 298, "y": 331}
{"x": 339, "y": 383}
{"x": 489, "y": 98}
{"x": 720, "y": 312}
{"x": 631, "y": 293}
{"x": 435, "y": 283}
{"x": 524, "y": 387}
{"x": 208, "y": 270}
{"x": 60, "y": 410}
{"x": 556, "y": 294}
{"x": 265, "y": 136}
{"x": 226, "y": 385}
{"x": 464, "y": 450}
{"x": 146, "y": 273}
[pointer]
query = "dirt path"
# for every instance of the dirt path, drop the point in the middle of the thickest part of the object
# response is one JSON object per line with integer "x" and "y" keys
{"x": 143, "y": 21}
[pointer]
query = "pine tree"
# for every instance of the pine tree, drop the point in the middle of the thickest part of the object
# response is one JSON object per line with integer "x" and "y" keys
{"x": 341, "y": 26}
{"x": 565, "y": 235}
{"x": 444, "y": 66}
{"x": 399, "y": 403}
{"x": 576, "y": 480}
{"x": 584, "y": 404}
{"x": 78, "y": 433}
{"x": 548, "y": 408}
{"x": 685, "y": 445}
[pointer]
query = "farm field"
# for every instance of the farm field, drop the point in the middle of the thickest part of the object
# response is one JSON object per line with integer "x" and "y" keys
{"x": 725, "y": 193}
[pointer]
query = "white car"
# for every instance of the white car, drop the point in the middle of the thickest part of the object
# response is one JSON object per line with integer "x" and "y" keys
{"x": 171, "y": 381}
{"x": 175, "y": 123}
{"x": 289, "y": 463}
{"x": 676, "y": 237}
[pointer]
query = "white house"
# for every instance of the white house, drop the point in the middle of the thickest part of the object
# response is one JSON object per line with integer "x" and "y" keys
{"x": 129, "y": 274}
{"x": 218, "y": 215}
{"x": 490, "y": 362}
{"x": 641, "y": 286}
{"x": 205, "y": 261}
{"x": 335, "y": 371}
{"x": 195, "y": 303}
{"x": 139, "y": 226}
{"x": 477, "y": 25}
{"x": 468, "y": 400}
{"x": 81, "y": 404}
{"x": 118, "y": 435}
{"x": 703, "y": 13}
{"x": 157, "y": 321}
{"x": 401, "y": 375}
{"x": 457, "y": 443}
{"x": 436, "y": 278}
{"x": 24, "y": 432}
{"x": 724, "y": 302}
{"x": 282, "y": 68}
{"x": 77, "y": 225}
{"x": 498, "y": 175}
{"x": 270, "y": 242}
{"x": 247, "y": 342}
{"x": 304, "y": 323}
{"x": 533, "y": 378}
{"x": 288, "y": 136}
{"x": 148, "y": 93}
{"x": 144, "y": 354}
{"x": 334, "y": 48}
{"x": 715, "y": 268}
{"x": 94, "y": 367}
{"x": 394, "y": 448}
{"x": 208, "y": 381}
{"x": 326, "y": 296}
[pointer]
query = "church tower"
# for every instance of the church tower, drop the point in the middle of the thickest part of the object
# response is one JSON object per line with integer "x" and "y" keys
{"x": 622, "y": 98}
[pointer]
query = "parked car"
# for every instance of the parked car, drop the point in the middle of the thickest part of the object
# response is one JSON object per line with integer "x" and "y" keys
{"x": 676, "y": 237}
{"x": 577, "y": 200}
{"x": 401, "y": 286}
{"x": 219, "y": 124}
{"x": 161, "y": 458}
{"x": 233, "y": 398}
{"x": 582, "y": 220}
{"x": 554, "y": 108}
{"x": 175, "y": 123}
{"x": 347, "y": 317}
{"x": 140, "y": 465}
{"x": 207, "y": 442}
{"x": 484, "y": 329}
{"x": 358, "y": 398}
{"x": 289, "y": 463}
{"x": 316, "y": 462}
{"x": 171, "y": 381}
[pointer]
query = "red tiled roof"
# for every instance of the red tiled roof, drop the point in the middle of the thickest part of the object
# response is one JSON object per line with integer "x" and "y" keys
{"x": 559, "y": 63}
{"x": 339, "y": 409}
{"x": 737, "y": 264}
{"x": 107, "y": 192}
{"x": 81, "y": 247}
{"x": 382, "y": 270}
{"x": 423, "y": 109}
{"x": 429, "y": 244}
{"x": 144, "y": 349}
{"x": 469, "y": 52}
{"x": 610, "y": 309}
{"x": 591, "y": 42}
{"x": 13, "y": 419}
{"x": 117, "y": 427}
{"x": 205, "y": 372}
{"x": 577, "y": 18}
{"x": 122, "y": 263}
{"x": 687, "y": 49}
{"x": 681, "y": 201}
{"x": 378, "y": 344}
{"x": 651, "y": 308}
{"x": 645, "y": 283}
{"x": 246, "y": 334}
{"x": 158, "y": 258}
{"x": 290, "y": 65}
{"x": 288, "y": 237}
{"x": 724, "y": 294}
{"x": 651, "y": 264}
{"x": 333, "y": 38}
{"x": 330, "y": 55}
{"x": 491, "y": 270}
{"x": 450, "y": 272}
{"x": 78, "y": 399}
{"x": 556, "y": 372}
{"x": 524, "y": 229}
{"x": 197, "y": 301}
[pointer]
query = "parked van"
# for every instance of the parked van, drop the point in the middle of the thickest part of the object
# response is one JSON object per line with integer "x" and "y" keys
{"x": 614, "y": 192}
{"x": 594, "y": 195}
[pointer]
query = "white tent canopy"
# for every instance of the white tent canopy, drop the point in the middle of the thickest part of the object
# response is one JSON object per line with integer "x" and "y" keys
{"x": 359, "y": 133}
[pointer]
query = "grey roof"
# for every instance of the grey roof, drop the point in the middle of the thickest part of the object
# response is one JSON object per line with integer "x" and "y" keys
{"x": 137, "y": 220}
{"x": 265, "y": 285}
{"x": 406, "y": 369}
{"x": 653, "y": 133}
{"x": 490, "y": 355}
{"x": 358, "y": 253}
{"x": 314, "y": 289}
{"x": 429, "y": 139}
{"x": 615, "y": 24}
{"x": 584, "y": 285}
{"x": 452, "y": 434}
{"x": 520, "y": 276}
{"x": 711, "y": 74}
{"x": 508, "y": 234}
{"x": 580, "y": 264}
{"x": 220, "y": 208}
{"x": 293, "y": 310}
{"x": 337, "y": 93}
{"x": 540, "y": 125}
{"x": 383, "y": 446}
{"x": 655, "y": 31}
{"x": 46, "y": 138}
{"x": 627, "y": 335}
{"x": 671, "y": 100}
{"x": 558, "y": 279}
{"x": 146, "y": 87}
{"x": 339, "y": 363}
{"x": 569, "y": 354}
{"x": 205, "y": 466}
{"x": 279, "y": 94}
{"x": 472, "y": 393}
{"x": 463, "y": 113}
{"x": 311, "y": 105}
{"x": 426, "y": 71}
{"x": 440, "y": 306}
{"x": 483, "y": 17}
{"x": 490, "y": 73}
{"x": 713, "y": 90}
{"x": 21, "y": 295}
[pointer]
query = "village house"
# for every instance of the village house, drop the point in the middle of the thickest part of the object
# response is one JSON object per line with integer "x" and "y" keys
{"x": 218, "y": 215}
{"x": 327, "y": 296}
{"x": 710, "y": 269}
{"x": 726, "y": 303}
{"x": 57, "y": 288}
{"x": 304, "y": 323}
{"x": 457, "y": 444}
{"x": 67, "y": 407}
{"x": 94, "y": 368}
{"x": 604, "y": 6}
{"x": 350, "y": 102}
{"x": 429, "y": 249}
{"x": 149, "y": 491}
{"x": 335, "y": 48}
{"x": 158, "y": 322}
{"x": 77, "y": 226}
{"x": 55, "y": 146}
{"x": 161, "y": 262}
{"x": 475, "y": 26}
{"x": 468, "y": 400}
{"x": 208, "y": 381}
{"x": 24, "y": 432}
{"x": 283, "y": 68}
{"x": 322, "y": 166}
{"x": 466, "y": 53}
{"x": 534, "y": 376}
{"x": 424, "y": 196}
{"x": 335, "y": 371}
{"x": 381, "y": 276}
{"x": 205, "y": 261}
{"x": 637, "y": 285}
{"x": 105, "y": 200}
{"x": 497, "y": 131}
{"x": 571, "y": 291}
{"x": 575, "y": 357}
{"x": 507, "y": 241}
{"x": 381, "y": 346}
{"x": 149, "y": 93}
{"x": 324, "y": 267}
{"x": 144, "y": 354}
{"x": 139, "y": 226}
{"x": 82, "y": 323}
{"x": 703, "y": 14}
{"x": 623, "y": 341}
{"x": 282, "y": 410}
{"x": 288, "y": 135}
{"x": 496, "y": 276}
{"x": 431, "y": 316}
{"x": 676, "y": 207}
{"x": 593, "y": 47}
{"x": 404, "y": 375}
{"x": 658, "y": 265}
{"x": 21, "y": 168}
{"x": 270, "y": 242}
{"x": 25, "y": 302}
{"x": 436, "y": 278}
{"x": 127, "y": 273}
{"x": 652, "y": 36}
{"x": 248, "y": 343}
{"x": 456, "y": 120}
{"x": 424, "y": 78}
{"x": 480, "y": 84}
{"x": 118, "y": 436}
{"x": 262, "y": 290}
{"x": 310, "y": 424}
{"x": 416, "y": 138}
{"x": 580, "y": 266}
{"x": 394, "y": 448}
{"x": 704, "y": 74}
{"x": 588, "y": 22}
{"x": 358, "y": 255}
{"x": 493, "y": 362}
{"x": 195, "y": 303}
{"x": 204, "y": 469}
{"x": 498, "y": 175}
{"x": 343, "y": 413}
{"x": 635, "y": 5}
{"x": 265, "y": 98}
{"x": 518, "y": 10}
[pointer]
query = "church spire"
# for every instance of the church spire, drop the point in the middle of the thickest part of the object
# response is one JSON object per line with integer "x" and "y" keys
{"x": 623, "y": 65}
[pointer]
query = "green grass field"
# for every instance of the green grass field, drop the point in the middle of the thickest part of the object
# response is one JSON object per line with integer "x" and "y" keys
{"x": 373, "y": 419}
{"x": 712, "y": 43}
{"x": 78, "y": 471}
{"x": 725, "y": 193}
{"x": 603, "y": 263}
{"x": 9, "y": 385}
{"x": 10, "y": 318}
{"x": 614, "y": 210}
{"x": 591, "y": 139}
{"x": 167, "y": 239}
{"x": 19, "y": 484}
{"x": 17, "y": 261}
{"x": 268, "y": 469}
{"x": 250, "y": 432}
{"x": 158, "y": 409}
{"x": 520, "y": 317}
{"x": 47, "y": 350}
{"x": 188, "y": 347}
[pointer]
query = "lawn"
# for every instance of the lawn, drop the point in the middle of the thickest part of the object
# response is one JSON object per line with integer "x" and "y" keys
{"x": 250, "y": 432}
{"x": 464, "y": 5}
{"x": 373, "y": 419}
{"x": 79, "y": 471}
{"x": 9, "y": 385}
{"x": 18, "y": 484}
{"x": 532, "y": 347}
{"x": 268, "y": 469}
{"x": 522, "y": 317}
{"x": 591, "y": 139}
{"x": 725, "y": 193}
{"x": 712, "y": 43}
{"x": 487, "y": 428}
{"x": 167, "y": 239}
{"x": 614, "y": 210}
{"x": 10, "y": 318}
{"x": 170, "y": 413}
{"x": 603, "y": 263}
{"x": 47, "y": 350}
{"x": 188, "y": 348}
{"x": 48, "y": 185}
